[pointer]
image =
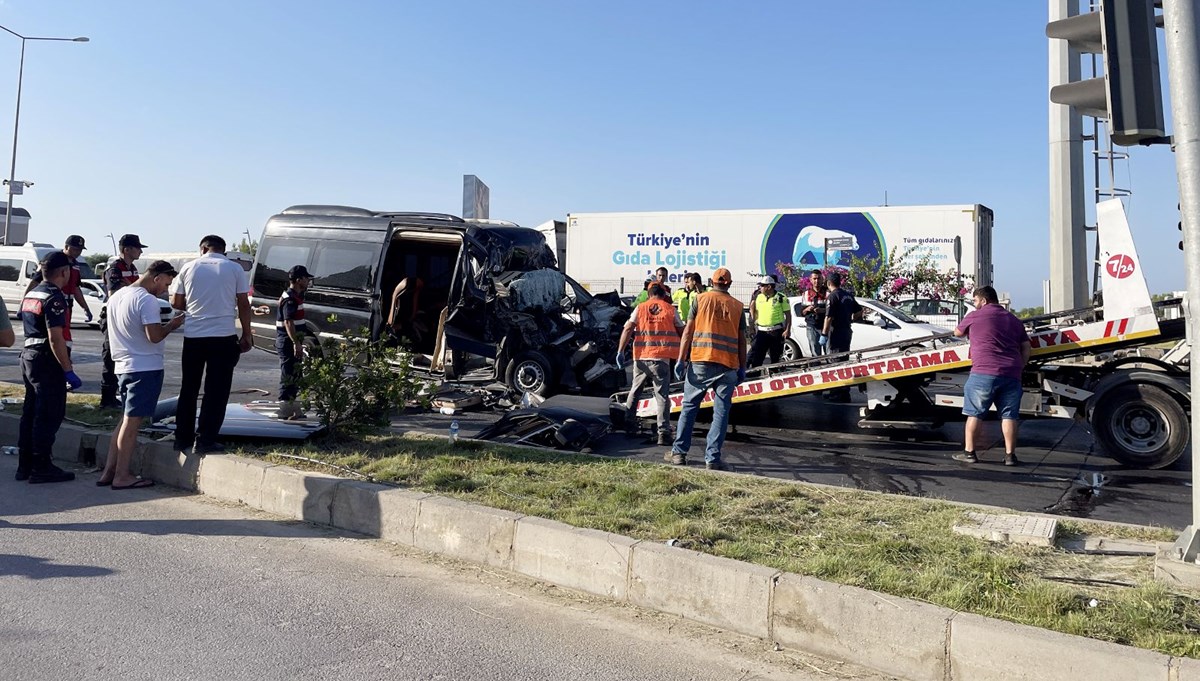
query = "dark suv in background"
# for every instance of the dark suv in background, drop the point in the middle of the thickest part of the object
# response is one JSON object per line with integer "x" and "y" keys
{"x": 510, "y": 316}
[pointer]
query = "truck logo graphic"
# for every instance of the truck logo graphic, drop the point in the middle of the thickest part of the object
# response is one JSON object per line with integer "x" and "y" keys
{"x": 799, "y": 239}
{"x": 1120, "y": 266}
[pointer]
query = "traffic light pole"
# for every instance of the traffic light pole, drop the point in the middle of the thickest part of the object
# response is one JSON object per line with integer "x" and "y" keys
{"x": 1183, "y": 69}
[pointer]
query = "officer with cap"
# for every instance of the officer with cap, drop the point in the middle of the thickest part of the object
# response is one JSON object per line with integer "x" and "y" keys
{"x": 74, "y": 247}
{"x": 47, "y": 370}
{"x": 290, "y": 329}
{"x": 772, "y": 323}
{"x": 120, "y": 273}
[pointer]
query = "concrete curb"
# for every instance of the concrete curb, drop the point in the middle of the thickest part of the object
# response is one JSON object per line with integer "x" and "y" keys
{"x": 893, "y": 635}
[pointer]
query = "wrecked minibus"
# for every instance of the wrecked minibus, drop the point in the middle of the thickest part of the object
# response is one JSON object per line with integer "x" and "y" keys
{"x": 473, "y": 300}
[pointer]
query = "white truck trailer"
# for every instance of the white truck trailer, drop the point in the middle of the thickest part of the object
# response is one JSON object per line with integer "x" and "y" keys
{"x": 617, "y": 251}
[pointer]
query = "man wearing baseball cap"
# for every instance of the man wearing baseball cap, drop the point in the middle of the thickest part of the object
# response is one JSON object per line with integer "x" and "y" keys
{"x": 119, "y": 273}
{"x": 772, "y": 323}
{"x": 290, "y": 329}
{"x": 712, "y": 357}
{"x": 73, "y": 248}
{"x": 136, "y": 334}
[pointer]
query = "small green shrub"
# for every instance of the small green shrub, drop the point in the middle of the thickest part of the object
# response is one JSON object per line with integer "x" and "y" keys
{"x": 356, "y": 384}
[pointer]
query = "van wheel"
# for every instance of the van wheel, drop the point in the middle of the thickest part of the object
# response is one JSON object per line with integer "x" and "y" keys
{"x": 791, "y": 351}
{"x": 1141, "y": 426}
{"x": 530, "y": 372}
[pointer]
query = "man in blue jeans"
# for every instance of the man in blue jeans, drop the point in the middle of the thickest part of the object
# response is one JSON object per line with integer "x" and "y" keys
{"x": 999, "y": 351}
{"x": 712, "y": 356}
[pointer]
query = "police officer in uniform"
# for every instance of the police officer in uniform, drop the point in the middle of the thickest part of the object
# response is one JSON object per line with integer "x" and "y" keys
{"x": 47, "y": 370}
{"x": 772, "y": 323}
{"x": 290, "y": 329}
{"x": 119, "y": 273}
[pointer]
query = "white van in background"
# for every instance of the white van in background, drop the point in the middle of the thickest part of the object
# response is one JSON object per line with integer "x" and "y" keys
{"x": 18, "y": 264}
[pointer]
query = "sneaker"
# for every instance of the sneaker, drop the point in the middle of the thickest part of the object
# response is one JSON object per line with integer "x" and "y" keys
{"x": 1010, "y": 459}
{"x": 678, "y": 459}
{"x": 665, "y": 439}
{"x": 203, "y": 448}
{"x": 966, "y": 457}
{"x": 716, "y": 466}
{"x": 50, "y": 473}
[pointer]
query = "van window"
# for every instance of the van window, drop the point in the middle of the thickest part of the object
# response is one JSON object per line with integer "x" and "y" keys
{"x": 344, "y": 265}
{"x": 277, "y": 258}
{"x": 31, "y": 268}
{"x": 10, "y": 270}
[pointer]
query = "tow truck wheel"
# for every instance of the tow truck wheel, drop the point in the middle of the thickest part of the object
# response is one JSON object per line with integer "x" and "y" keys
{"x": 791, "y": 351}
{"x": 1142, "y": 426}
{"x": 530, "y": 372}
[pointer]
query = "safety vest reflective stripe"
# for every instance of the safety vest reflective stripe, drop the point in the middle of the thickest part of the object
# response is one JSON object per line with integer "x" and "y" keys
{"x": 39, "y": 295}
{"x": 718, "y": 321}
{"x": 30, "y": 342}
{"x": 709, "y": 340}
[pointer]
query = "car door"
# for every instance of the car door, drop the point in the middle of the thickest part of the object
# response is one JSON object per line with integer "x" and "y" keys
{"x": 875, "y": 328}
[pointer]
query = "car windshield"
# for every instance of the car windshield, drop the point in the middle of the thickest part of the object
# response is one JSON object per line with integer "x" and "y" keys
{"x": 894, "y": 312}
{"x": 86, "y": 271}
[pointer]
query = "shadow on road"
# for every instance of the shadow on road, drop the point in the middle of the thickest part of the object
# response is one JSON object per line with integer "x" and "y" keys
{"x": 32, "y": 567}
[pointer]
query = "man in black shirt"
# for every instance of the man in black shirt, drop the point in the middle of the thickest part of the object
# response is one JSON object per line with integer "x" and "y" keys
{"x": 841, "y": 310}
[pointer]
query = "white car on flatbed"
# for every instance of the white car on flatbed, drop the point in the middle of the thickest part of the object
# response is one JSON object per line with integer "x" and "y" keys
{"x": 881, "y": 324}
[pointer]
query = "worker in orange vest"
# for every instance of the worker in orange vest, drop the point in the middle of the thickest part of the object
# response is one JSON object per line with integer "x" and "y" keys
{"x": 712, "y": 356}
{"x": 654, "y": 328}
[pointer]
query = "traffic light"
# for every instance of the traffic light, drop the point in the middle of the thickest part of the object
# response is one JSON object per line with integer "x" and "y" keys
{"x": 1129, "y": 94}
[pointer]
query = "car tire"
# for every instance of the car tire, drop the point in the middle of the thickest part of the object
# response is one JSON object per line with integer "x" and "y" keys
{"x": 530, "y": 371}
{"x": 791, "y": 351}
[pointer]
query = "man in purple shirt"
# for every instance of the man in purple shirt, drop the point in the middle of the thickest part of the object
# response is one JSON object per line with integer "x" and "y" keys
{"x": 999, "y": 351}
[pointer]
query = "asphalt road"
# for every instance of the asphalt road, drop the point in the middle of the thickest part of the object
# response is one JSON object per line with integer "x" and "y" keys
{"x": 804, "y": 438}
{"x": 150, "y": 584}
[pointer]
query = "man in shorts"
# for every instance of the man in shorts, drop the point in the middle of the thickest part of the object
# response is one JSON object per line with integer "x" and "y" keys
{"x": 135, "y": 335}
{"x": 999, "y": 351}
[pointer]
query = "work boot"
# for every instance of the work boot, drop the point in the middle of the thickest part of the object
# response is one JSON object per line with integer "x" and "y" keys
{"x": 24, "y": 467}
{"x": 108, "y": 399}
{"x": 717, "y": 465}
{"x": 48, "y": 472}
{"x": 678, "y": 459}
{"x": 665, "y": 439}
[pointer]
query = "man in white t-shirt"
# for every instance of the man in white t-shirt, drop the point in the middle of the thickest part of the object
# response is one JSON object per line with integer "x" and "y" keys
{"x": 135, "y": 334}
{"x": 214, "y": 291}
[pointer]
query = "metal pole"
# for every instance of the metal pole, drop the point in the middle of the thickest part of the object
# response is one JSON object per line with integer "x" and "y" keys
{"x": 12, "y": 170}
{"x": 1183, "y": 68}
{"x": 1068, "y": 233}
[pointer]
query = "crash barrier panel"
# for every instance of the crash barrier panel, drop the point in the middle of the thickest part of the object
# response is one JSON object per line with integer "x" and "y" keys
{"x": 893, "y": 635}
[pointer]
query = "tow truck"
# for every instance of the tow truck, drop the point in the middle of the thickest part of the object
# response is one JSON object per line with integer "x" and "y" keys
{"x": 1099, "y": 364}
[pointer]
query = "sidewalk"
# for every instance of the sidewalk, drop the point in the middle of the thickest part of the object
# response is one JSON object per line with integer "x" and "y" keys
{"x": 890, "y": 634}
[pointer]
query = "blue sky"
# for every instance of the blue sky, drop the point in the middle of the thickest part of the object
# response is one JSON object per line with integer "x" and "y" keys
{"x": 184, "y": 118}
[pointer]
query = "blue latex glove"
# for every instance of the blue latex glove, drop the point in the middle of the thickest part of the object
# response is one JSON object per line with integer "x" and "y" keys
{"x": 74, "y": 381}
{"x": 620, "y": 360}
{"x": 87, "y": 315}
{"x": 823, "y": 340}
{"x": 741, "y": 374}
{"x": 681, "y": 370}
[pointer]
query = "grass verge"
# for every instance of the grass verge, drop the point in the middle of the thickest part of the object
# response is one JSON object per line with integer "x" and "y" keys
{"x": 82, "y": 409}
{"x": 892, "y": 544}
